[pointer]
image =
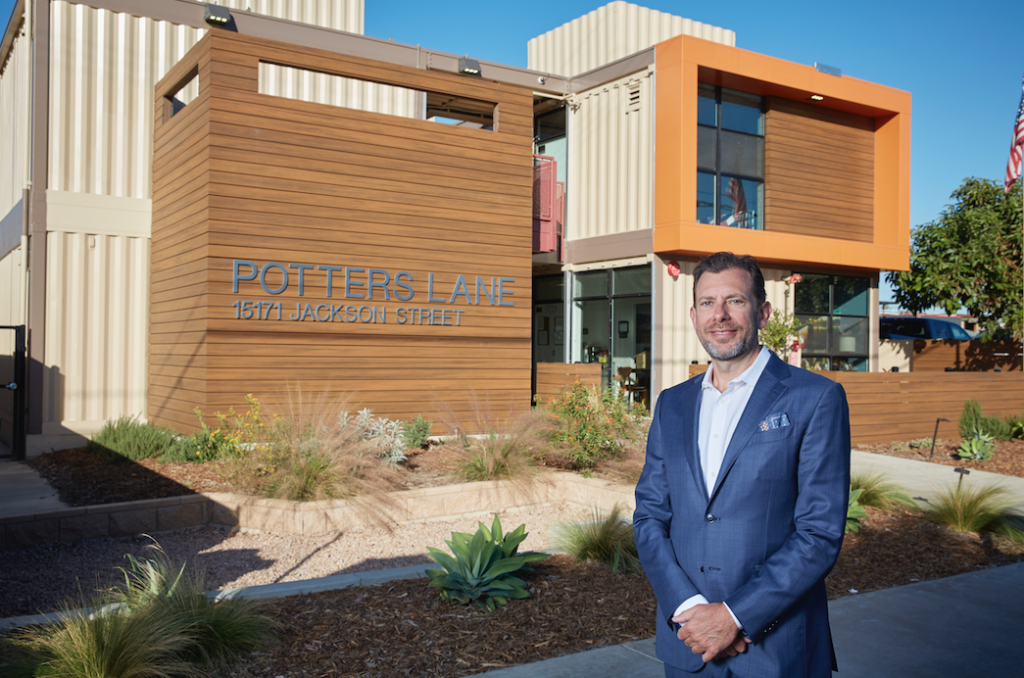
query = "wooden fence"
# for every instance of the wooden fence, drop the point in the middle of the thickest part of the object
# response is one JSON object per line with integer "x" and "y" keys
{"x": 966, "y": 356}
{"x": 887, "y": 406}
{"x": 553, "y": 377}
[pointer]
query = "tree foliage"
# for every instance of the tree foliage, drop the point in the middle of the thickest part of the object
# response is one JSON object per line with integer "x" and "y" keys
{"x": 969, "y": 257}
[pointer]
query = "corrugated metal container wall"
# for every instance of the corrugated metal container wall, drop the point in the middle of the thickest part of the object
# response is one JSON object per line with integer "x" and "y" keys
{"x": 96, "y": 319}
{"x": 340, "y": 15}
{"x": 611, "y": 142}
{"x": 15, "y": 100}
{"x": 611, "y": 32}
{"x": 676, "y": 340}
{"x": 335, "y": 90}
{"x": 12, "y": 301}
{"x": 103, "y": 67}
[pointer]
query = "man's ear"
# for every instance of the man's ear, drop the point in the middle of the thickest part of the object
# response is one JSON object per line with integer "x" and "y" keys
{"x": 693, "y": 315}
{"x": 763, "y": 315}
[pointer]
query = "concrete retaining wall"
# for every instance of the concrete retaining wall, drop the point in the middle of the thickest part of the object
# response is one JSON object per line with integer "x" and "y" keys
{"x": 276, "y": 515}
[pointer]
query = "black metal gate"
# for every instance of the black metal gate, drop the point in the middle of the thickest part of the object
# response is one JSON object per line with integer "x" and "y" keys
{"x": 13, "y": 401}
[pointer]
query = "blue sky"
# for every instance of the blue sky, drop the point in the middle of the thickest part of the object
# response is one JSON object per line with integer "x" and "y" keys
{"x": 962, "y": 63}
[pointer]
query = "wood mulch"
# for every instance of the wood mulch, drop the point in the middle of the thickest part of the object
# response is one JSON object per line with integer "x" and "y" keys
{"x": 402, "y": 628}
{"x": 1007, "y": 458}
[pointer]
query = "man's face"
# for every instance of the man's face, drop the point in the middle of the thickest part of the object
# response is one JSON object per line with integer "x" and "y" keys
{"x": 727, "y": 316}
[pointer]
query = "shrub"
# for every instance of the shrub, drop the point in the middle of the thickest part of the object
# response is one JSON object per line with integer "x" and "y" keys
{"x": 976, "y": 448}
{"x": 878, "y": 492}
{"x": 779, "y": 332}
{"x": 385, "y": 435}
{"x": 317, "y": 450}
{"x": 128, "y": 438}
{"x": 608, "y": 540}
{"x": 509, "y": 452}
{"x": 855, "y": 513}
{"x": 417, "y": 431}
{"x": 921, "y": 443}
{"x": 595, "y": 425}
{"x": 970, "y": 418}
{"x": 1016, "y": 426}
{"x": 481, "y": 571}
{"x": 164, "y": 626}
{"x": 987, "y": 509}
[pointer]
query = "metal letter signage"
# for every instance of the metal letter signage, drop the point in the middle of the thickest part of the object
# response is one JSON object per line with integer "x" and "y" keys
{"x": 358, "y": 283}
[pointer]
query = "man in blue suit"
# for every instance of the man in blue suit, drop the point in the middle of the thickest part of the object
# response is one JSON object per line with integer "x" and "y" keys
{"x": 741, "y": 507}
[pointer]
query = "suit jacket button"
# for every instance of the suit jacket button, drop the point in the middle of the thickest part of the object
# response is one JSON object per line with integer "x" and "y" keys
{"x": 710, "y": 517}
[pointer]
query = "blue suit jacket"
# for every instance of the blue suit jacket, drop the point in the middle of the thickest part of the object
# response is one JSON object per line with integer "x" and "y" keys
{"x": 761, "y": 540}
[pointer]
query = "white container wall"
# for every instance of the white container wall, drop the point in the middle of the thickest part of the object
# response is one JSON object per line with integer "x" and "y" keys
{"x": 15, "y": 108}
{"x": 676, "y": 340}
{"x": 12, "y": 300}
{"x": 103, "y": 68}
{"x": 611, "y": 144}
{"x": 97, "y": 319}
{"x": 335, "y": 90}
{"x": 612, "y": 32}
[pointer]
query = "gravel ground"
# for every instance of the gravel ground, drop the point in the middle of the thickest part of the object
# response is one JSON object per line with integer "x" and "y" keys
{"x": 42, "y": 578}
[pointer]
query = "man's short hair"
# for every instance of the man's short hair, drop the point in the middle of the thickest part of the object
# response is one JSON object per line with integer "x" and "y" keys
{"x": 723, "y": 261}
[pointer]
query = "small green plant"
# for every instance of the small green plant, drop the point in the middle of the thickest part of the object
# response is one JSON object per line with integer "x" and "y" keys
{"x": 878, "y": 492}
{"x": 128, "y": 438}
{"x": 1016, "y": 426}
{"x": 481, "y": 570}
{"x": 855, "y": 513}
{"x": 160, "y": 624}
{"x": 921, "y": 443}
{"x": 976, "y": 448}
{"x": 595, "y": 425}
{"x": 899, "y": 445}
{"x": 779, "y": 332}
{"x": 986, "y": 509}
{"x": 386, "y": 435}
{"x": 606, "y": 539}
{"x": 417, "y": 431}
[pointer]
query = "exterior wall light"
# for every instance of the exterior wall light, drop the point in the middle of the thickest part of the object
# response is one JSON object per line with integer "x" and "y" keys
{"x": 469, "y": 66}
{"x": 215, "y": 15}
{"x": 816, "y": 97}
{"x": 674, "y": 269}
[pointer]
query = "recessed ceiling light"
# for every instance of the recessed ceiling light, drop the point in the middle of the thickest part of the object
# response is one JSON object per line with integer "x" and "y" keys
{"x": 817, "y": 97}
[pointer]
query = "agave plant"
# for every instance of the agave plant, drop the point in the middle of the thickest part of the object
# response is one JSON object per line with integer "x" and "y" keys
{"x": 481, "y": 571}
{"x": 855, "y": 513}
{"x": 976, "y": 448}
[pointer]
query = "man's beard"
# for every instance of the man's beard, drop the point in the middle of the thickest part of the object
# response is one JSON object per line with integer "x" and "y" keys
{"x": 746, "y": 342}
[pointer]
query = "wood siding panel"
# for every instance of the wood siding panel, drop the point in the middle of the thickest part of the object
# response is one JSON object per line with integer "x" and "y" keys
{"x": 819, "y": 171}
{"x": 553, "y": 378}
{"x": 266, "y": 179}
{"x": 888, "y": 406}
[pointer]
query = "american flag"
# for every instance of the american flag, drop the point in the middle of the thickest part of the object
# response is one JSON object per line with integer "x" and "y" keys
{"x": 1016, "y": 147}
{"x": 739, "y": 204}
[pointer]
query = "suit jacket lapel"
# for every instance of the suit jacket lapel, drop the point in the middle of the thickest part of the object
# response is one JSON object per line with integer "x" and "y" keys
{"x": 767, "y": 391}
{"x": 691, "y": 421}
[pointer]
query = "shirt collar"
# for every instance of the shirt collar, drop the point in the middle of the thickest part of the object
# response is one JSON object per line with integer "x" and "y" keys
{"x": 749, "y": 376}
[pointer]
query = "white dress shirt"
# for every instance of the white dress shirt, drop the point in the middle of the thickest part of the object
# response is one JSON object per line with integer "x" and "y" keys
{"x": 720, "y": 412}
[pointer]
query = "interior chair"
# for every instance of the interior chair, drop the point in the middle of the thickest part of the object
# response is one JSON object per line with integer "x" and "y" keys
{"x": 630, "y": 386}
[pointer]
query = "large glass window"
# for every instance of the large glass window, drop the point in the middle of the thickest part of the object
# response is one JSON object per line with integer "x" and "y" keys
{"x": 833, "y": 311}
{"x": 611, "y": 321}
{"x": 730, "y": 158}
{"x": 549, "y": 319}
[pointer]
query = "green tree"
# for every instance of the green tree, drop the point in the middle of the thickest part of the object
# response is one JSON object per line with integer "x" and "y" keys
{"x": 970, "y": 257}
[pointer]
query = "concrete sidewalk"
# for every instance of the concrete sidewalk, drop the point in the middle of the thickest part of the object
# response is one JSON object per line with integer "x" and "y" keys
{"x": 22, "y": 491}
{"x": 924, "y": 479}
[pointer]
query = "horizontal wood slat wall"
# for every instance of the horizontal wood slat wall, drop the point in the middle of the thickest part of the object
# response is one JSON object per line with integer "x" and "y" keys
{"x": 243, "y": 176}
{"x": 887, "y": 406}
{"x": 968, "y": 356}
{"x": 819, "y": 171}
{"x": 552, "y": 378}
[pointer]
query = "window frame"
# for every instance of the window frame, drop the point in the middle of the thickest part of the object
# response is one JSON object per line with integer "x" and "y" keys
{"x": 717, "y": 174}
